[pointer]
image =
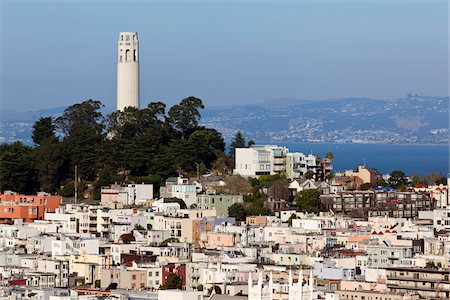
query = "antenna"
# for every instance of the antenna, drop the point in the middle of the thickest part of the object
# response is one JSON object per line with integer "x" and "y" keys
{"x": 76, "y": 182}
{"x": 364, "y": 160}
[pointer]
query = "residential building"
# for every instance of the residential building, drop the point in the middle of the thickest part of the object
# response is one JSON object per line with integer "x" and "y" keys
{"x": 428, "y": 283}
{"x": 368, "y": 175}
{"x": 219, "y": 202}
{"x": 27, "y": 207}
{"x": 179, "y": 187}
{"x": 260, "y": 160}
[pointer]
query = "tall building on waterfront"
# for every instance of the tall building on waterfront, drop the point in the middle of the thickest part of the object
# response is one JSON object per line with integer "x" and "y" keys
{"x": 128, "y": 71}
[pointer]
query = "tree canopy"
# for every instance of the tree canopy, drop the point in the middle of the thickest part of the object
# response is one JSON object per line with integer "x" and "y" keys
{"x": 238, "y": 141}
{"x": 135, "y": 144}
{"x": 173, "y": 281}
{"x": 397, "y": 179}
{"x": 308, "y": 200}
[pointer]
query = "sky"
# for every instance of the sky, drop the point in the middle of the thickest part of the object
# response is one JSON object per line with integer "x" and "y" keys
{"x": 56, "y": 54}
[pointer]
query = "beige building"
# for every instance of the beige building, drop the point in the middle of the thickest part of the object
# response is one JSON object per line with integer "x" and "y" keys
{"x": 368, "y": 175}
{"x": 211, "y": 240}
{"x": 128, "y": 279}
{"x": 428, "y": 283}
{"x": 180, "y": 223}
{"x": 372, "y": 295}
{"x": 256, "y": 221}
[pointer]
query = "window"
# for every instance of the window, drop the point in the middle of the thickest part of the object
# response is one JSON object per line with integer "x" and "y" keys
{"x": 134, "y": 277}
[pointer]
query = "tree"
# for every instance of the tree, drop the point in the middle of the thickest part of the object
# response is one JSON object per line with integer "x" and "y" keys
{"x": 397, "y": 179}
{"x": 330, "y": 176}
{"x": 309, "y": 174}
{"x": 416, "y": 179}
{"x": 217, "y": 290}
{"x": 237, "y": 211}
{"x": 173, "y": 281}
{"x": 176, "y": 200}
{"x": 50, "y": 165}
{"x": 238, "y": 141}
{"x": 258, "y": 210}
{"x": 17, "y": 169}
{"x": 280, "y": 189}
{"x": 308, "y": 200}
{"x": 127, "y": 238}
{"x": 250, "y": 143}
{"x": 171, "y": 240}
{"x": 43, "y": 129}
{"x": 329, "y": 155}
{"x": 81, "y": 116}
{"x": 292, "y": 217}
{"x": 184, "y": 116}
{"x": 83, "y": 127}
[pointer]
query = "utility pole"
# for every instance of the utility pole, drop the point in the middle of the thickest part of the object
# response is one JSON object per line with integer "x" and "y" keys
{"x": 76, "y": 183}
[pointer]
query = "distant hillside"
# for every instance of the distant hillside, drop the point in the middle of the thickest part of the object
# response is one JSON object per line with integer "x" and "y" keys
{"x": 413, "y": 119}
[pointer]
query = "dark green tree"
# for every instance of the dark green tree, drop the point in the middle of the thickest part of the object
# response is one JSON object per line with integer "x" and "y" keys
{"x": 329, "y": 155}
{"x": 308, "y": 200}
{"x": 292, "y": 217}
{"x": 17, "y": 169}
{"x": 176, "y": 200}
{"x": 173, "y": 281}
{"x": 237, "y": 211}
{"x": 43, "y": 129}
{"x": 50, "y": 165}
{"x": 82, "y": 116}
{"x": 257, "y": 209}
{"x": 238, "y": 141}
{"x": 217, "y": 290}
{"x": 49, "y": 156}
{"x": 184, "y": 117}
{"x": 83, "y": 128}
{"x": 250, "y": 143}
{"x": 397, "y": 179}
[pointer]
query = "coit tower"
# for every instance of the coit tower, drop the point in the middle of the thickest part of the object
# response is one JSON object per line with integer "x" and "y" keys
{"x": 128, "y": 71}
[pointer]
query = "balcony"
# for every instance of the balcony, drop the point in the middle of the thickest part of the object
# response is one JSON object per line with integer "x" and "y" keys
{"x": 279, "y": 161}
{"x": 279, "y": 168}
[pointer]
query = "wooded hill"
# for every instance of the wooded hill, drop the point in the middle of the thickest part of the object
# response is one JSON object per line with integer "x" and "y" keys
{"x": 136, "y": 145}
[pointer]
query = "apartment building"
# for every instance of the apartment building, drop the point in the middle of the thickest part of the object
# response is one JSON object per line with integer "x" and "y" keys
{"x": 26, "y": 207}
{"x": 180, "y": 224}
{"x": 219, "y": 202}
{"x": 179, "y": 187}
{"x": 260, "y": 160}
{"x": 298, "y": 164}
{"x": 363, "y": 204}
{"x": 123, "y": 278}
{"x": 428, "y": 283}
{"x": 117, "y": 196}
{"x": 439, "y": 194}
{"x": 368, "y": 175}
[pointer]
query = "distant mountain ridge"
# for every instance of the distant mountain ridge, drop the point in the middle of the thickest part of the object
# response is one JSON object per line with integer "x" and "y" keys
{"x": 410, "y": 120}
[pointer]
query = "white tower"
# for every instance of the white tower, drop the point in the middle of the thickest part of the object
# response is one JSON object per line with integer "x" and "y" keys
{"x": 128, "y": 70}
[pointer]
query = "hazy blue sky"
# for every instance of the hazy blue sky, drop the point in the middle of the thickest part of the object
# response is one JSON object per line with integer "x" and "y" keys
{"x": 56, "y": 54}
